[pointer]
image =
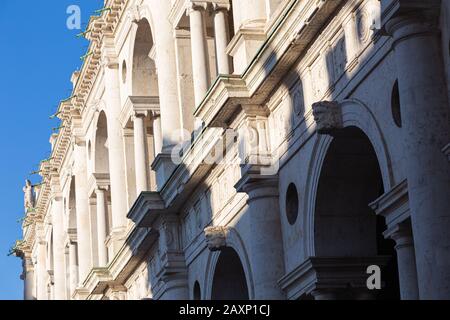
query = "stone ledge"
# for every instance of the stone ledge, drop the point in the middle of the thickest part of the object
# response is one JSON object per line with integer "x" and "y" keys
{"x": 393, "y": 205}
{"x": 336, "y": 273}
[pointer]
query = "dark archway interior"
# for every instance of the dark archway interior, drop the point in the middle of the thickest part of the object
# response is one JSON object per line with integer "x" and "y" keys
{"x": 229, "y": 278}
{"x": 197, "y": 291}
{"x": 345, "y": 225}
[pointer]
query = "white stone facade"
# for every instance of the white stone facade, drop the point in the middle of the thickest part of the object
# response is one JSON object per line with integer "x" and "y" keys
{"x": 315, "y": 142}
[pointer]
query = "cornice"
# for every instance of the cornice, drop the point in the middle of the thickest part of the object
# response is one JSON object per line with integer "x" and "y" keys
{"x": 71, "y": 109}
{"x": 138, "y": 104}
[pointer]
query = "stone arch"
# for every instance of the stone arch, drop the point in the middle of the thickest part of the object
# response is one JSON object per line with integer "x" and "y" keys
{"x": 229, "y": 280}
{"x": 354, "y": 114}
{"x": 71, "y": 207}
{"x": 135, "y": 15}
{"x": 144, "y": 78}
{"x": 235, "y": 243}
{"x": 350, "y": 179}
{"x": 100, "y": 152}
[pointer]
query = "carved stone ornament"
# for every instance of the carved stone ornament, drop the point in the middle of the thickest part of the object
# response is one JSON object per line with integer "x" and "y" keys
{"x": 328, "y": 116}
{"x": 134, "y": 13}
{"x": 216, "y": 238}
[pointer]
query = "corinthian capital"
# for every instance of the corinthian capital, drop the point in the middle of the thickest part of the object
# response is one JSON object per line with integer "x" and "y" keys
{"x": 328, "y": 116}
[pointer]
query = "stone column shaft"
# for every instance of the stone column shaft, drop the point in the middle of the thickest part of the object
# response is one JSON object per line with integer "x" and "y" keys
{"x": 407, "y": 268}
{"x": 58, "y": 249}
{"x": 141, "y": 154}
{"x": 116, "y": 149}
{"x": 29, "y": 279}
{"x": 101, "y": 227}
{"x": 426, "y": 127}
{"x": 157, "y": 137}
{"x": 265, "y": 242}
{"x": 41, "y": 271}
{"x": 171, "y": 119}
{"x": 82, "y": 207}
{"x": 222, "y": 40}
{"x": 199, "y": 46}
{"x": 406, "y": 259}
{"x": 73, "y": 266}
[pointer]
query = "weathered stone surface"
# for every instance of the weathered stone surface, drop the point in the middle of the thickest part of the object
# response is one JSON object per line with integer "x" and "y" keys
{"x": 176, "y": 124}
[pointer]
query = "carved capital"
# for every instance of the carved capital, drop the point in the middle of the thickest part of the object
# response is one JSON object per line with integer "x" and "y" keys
{"x": 220, "y": 5}
{"x": 216, "y": 237}
{"x": 405, "y": 18}
{"x": 196, "y": 6}
{"x": 110, "y": 62}
{"x": 109, "y": 57}
{"x": 401, "y": 234}
{"x": 139, "y": 114}
{"x": 328, "y": 116}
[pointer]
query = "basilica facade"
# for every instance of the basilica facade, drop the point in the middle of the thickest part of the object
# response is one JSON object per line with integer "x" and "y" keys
{"x": 249, "y": 149}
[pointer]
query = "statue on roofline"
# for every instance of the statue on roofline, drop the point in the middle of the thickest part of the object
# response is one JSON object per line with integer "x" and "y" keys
{"x": 29, "y": 200}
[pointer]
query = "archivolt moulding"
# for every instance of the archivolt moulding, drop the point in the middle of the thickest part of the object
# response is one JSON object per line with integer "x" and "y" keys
{"x": 354, "y": 114}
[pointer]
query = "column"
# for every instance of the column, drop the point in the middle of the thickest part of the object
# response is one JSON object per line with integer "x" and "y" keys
{"x": 222, "y": 38}
{"x": 41, "y": 270}
{"x": 167, "y": 80}
{"x": 199, "y": 47}
{"x": 426, "y": 128}
{"x": 264, "y": 241}
{"x": 406, "y": 260}
{"x": 82, "y": 206}
{"x": 58, "y": 248}
{"x": 28, "y": 278}
{"x": 260, "y": 182}
{"x": 157, "y": 134}
{"x": 185, "y": 80}
{"x": 101, "y": 227}
{"x": 115, "y": 143}
{"x": 73, "y": 266}
{"x": 171, "y": 117}
{"x": 141, "y": 153}
{"x": 250, "y": 13}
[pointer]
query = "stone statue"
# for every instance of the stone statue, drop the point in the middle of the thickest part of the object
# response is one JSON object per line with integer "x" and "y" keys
{"x": 28, "y": 196}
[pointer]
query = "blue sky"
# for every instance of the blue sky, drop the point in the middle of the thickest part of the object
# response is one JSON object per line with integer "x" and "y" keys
{"x": 38, "y": 55}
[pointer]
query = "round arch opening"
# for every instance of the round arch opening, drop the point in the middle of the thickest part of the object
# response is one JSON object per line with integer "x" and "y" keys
{"x": 144, "y": 75}
{"x": 101, "y": 147}
{"x": 344, "y": 224}
{"x": 229, "y": 281}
